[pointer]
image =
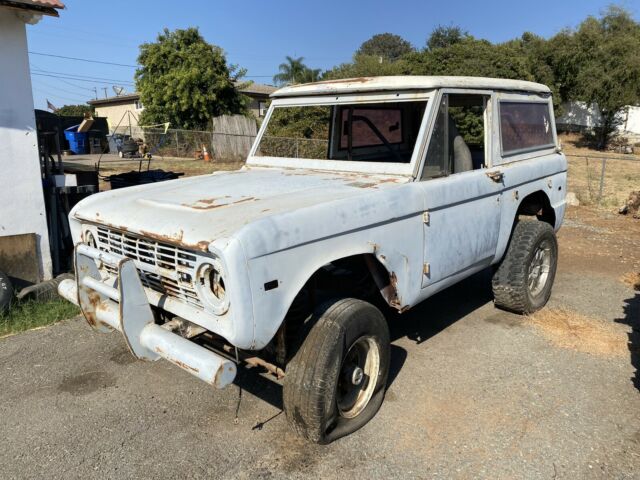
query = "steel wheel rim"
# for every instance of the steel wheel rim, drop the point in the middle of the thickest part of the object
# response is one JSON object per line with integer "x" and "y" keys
{"x": 358, "y": 377}
{"x": 539, "y": 268}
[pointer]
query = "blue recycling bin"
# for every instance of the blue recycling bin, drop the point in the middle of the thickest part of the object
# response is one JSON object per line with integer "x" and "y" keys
{"x": 78, "y": 141}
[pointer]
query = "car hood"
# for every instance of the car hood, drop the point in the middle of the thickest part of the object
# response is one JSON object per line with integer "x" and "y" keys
{"x": 195, "y": 211}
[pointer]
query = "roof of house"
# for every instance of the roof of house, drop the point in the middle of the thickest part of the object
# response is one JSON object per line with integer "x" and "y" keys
{"x": 128, "y": 97}
{"x": 373, "y": 84}
{"x": 252, "y": 89}
{"x": 45, "y": 7}
{"x": 258, "y": 89}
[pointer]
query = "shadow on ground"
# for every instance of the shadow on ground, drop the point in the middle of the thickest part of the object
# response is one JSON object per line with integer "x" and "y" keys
{"x": 632, "y": 318}
{"x": 419, "y": 324}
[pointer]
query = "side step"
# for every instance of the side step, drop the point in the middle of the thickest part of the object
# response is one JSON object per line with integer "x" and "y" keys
{"x": 123, "y": 306}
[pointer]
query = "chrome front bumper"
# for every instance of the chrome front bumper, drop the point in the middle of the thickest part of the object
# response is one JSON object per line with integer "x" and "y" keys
{"x": 124, "y": 306}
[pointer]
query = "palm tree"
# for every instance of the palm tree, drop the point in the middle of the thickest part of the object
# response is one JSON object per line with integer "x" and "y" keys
{"x": 295, "y": 71}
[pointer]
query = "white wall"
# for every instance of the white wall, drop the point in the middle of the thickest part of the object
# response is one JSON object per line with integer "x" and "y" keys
{"x": 631, "y": 122}
{"x": 22, "y": 207}
{"x": 581, "y": 115}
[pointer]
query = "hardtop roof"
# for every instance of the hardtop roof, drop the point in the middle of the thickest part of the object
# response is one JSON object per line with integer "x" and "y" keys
{"x": 405, "y": 82}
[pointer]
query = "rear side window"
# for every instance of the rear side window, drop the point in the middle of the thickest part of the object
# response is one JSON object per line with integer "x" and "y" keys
{"x": 524, "y": 127}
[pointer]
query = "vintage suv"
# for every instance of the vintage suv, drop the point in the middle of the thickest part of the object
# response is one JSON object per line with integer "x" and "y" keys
{"x": 357, "y": 195}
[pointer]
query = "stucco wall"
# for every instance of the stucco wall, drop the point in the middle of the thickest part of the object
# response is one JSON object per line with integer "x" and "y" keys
{"x": 116, "y": 113}
{"x": 22, "y": 207}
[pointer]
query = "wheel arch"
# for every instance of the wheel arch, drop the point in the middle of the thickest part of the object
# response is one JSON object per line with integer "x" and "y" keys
{"x": 537, "y": 204}
{"x": 381, "y": 265}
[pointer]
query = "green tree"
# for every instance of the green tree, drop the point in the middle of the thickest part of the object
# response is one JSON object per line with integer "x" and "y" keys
{"x": 186, "y": 81}
{"x": 74, "y": 110}
{"x": 445, "y": 36}
{"x": 471, "y": 57}
{"x": 366, "y": 66}
{"x": 603, "y": 67}
{"x": 295, "y": 71}
{"x": 388, "y": 46}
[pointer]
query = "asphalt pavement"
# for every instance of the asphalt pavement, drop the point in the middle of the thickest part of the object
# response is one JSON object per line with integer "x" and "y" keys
{"x": 475, "y": 392}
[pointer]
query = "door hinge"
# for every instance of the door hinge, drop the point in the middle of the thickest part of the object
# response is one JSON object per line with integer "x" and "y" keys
{"x": 426, "y": 269}
{"x": 426, "y": 217}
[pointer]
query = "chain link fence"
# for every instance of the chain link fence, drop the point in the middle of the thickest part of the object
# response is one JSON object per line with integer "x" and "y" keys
{"x": 188, "y": 143}
{"x": 605, "y": 180}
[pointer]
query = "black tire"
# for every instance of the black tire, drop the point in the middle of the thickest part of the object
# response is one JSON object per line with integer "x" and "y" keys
{"x": 6, "y": 293}
{"x": 316, "y": 394}
{"x": 512, "y": 281}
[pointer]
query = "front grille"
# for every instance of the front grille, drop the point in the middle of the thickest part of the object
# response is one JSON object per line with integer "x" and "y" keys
{"x": 164, "y": 268}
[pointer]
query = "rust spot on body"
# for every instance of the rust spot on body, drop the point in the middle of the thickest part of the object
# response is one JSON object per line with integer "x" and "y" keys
{"x": 345, "y": 80}
{"x": 209, "y": 203}
{"x": 185, "y": 366}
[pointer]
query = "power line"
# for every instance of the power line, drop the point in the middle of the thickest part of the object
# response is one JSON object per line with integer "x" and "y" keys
{"x": 49, "y": 85}
{"x": 78, "y": 75}
{"x": 118, "y": 64}
{"x": 47, "y": 93}
{"x": 83, "y": 59}
{"x": 81, "y": 79}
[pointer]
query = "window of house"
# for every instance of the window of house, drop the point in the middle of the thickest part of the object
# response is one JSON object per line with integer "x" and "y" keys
{"x": 262, "y": 109}
{"x": 138, "y": 105}
{"x": 525, "y": 126}
{"x": 457, "y": 142}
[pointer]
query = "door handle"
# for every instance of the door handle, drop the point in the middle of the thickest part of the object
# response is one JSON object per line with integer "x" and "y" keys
{"x": 495, "y": 175}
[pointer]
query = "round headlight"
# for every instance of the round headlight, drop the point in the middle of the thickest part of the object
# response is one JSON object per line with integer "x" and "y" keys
{"x": 210, "y": 281}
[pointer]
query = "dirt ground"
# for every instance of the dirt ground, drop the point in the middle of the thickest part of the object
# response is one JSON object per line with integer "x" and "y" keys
{"x": 474, "y": 392}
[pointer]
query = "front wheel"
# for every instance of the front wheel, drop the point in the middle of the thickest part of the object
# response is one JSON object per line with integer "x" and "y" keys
{"x": 336, "y": 381}
{"x": 522, "y": 283}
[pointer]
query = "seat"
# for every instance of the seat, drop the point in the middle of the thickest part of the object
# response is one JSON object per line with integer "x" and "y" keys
{"x": 462, "y": 159}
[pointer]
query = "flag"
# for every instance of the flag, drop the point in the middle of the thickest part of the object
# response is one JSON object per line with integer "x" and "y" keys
{"x": 51, "y": 107}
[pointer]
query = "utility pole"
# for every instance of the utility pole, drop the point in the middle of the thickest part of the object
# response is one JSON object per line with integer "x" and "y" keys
{"x": 95, "y": 91}
{"x": 105, "y": 91}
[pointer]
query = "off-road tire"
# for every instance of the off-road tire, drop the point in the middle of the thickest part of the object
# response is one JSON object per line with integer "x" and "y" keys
{"x": 511, "y": 290}
{"x": 6, "y": 293}
{"x": 310, "y": 393}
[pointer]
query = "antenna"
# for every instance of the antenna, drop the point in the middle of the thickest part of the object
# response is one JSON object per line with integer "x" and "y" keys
{"x": 118, "y": 90}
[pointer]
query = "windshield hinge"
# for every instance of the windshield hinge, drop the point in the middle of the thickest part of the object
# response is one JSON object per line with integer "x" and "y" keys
{"x": 426, "y": 217}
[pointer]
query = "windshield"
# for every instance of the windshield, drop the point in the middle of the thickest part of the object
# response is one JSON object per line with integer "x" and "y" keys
{"x": 373, "y": 132}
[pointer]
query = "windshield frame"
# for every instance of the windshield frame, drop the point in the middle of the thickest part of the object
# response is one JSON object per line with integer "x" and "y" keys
{"x": 392, "y": 168}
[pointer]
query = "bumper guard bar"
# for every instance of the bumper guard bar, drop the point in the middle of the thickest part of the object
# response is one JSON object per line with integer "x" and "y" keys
{"x": 124, "y": 306}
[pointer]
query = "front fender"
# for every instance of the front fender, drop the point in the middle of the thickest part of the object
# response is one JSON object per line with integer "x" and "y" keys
{"x": 289, "y": 270}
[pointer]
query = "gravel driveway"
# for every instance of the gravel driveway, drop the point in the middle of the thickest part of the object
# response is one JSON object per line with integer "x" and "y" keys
{"x": 474, "y": 392}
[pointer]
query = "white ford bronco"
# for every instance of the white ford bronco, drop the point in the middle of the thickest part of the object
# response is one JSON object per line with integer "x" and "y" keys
{"x": 357, "y": 195}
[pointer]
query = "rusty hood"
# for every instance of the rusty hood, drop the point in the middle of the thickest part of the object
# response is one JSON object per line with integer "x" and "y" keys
{"x": 195, "y": 211}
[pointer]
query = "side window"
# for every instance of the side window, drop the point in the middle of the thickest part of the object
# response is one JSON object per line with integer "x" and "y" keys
{"x": 457, "y": 142}
{"x": 524, "y": 127}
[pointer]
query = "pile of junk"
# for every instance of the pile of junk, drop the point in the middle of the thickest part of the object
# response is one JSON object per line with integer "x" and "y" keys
{"x": 71, "y": 150}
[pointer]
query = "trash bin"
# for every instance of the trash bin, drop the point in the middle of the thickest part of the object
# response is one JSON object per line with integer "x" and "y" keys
{"x": 78, "y": 141}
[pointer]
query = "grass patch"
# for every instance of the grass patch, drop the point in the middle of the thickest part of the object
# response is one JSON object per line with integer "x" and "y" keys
{"x": 31, "y": 314}
{"x": 187, "y": 166}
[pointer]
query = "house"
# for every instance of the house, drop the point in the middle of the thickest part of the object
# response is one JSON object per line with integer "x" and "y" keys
{"x": 23, "y": 220}
{"x": 124, "y": 110}
{"x": 578, "y": 116}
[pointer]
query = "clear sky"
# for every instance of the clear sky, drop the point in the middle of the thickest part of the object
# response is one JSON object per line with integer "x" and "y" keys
{"x": 258, "y": 34}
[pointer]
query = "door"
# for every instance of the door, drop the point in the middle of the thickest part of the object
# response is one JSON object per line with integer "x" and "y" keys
{"x": 462, "y": 194}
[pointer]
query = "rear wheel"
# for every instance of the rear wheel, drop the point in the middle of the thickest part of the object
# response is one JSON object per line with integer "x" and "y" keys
{"x": 523, "y": 281}
{"x": 336, "y": 381}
